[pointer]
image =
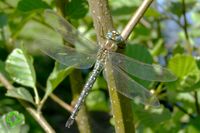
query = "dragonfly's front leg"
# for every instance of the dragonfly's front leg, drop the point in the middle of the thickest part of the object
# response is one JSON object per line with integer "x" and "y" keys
{"x": 96, "y": 71}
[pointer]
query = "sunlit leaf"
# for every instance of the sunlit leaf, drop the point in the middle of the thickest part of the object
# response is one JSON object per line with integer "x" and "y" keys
{"x": 182, "y": 65}
{"x": 20, "y": 93}
{"x": 186, "y": 69}
{"x": 185, "y": 97}
{"x": 20, "y": 67}
{"x": 189, "y": 80}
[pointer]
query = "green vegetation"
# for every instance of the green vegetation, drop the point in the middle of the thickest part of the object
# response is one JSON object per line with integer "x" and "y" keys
{"x": 37, "y": 94}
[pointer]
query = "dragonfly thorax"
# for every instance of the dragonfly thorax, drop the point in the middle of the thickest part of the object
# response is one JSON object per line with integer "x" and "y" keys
{"x": 110, "y": 46}
{"x": 102, "y": 55}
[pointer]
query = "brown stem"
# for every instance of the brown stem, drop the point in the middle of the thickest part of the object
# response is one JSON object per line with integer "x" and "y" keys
{"x": 36, "y": 115}
{"x": 101, "y": 18}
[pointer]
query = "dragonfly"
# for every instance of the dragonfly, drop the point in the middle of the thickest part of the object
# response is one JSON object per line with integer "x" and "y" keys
{"x": 85, "y": 54}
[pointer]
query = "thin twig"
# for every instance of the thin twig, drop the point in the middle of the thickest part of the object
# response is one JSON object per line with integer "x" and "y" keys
{"x": 135, "y": 18}
{"x": 36, "y": 115}
{"x": 57, "y": 99}
{"x": 61, "y": 102}
{"x": 183, "y": 110}
{"x": 5, "y": 82}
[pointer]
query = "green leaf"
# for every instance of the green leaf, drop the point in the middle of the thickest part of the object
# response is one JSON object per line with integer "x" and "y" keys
{"x": 176, "y": 8}
{"x": 178, "y": 49}
{"x": 194, "y": 125}
{"x": 151, "y": 117}
{"x": 142, "y": 32}
{"x": 20, "y": 93}
{"x": 100, "y": 83}
{"x": 57, "y": 76}
{"x": 124, "y": 10}
{"x": 20, "y": 68}
{"x": 76, "y": 9}
{"x": 189, "y": 80}
{"x": 3, "y": 19}
{"x": 152, "y": 12}
{"x": 183, "y": 65}
{"x": 186, "y": 69}
{"x": 12, "y": 122}
{"x": 96, "y": 101}
{"x": 139, "y": 53}
{"x": 30, "y": 5}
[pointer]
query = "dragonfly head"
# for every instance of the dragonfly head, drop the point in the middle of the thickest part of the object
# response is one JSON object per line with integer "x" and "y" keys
{"x": 113, "y": 38}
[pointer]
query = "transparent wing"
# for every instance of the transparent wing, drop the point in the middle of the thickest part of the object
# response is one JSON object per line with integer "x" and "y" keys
{"x": 141, "y": 70}
{"x": 66, "y": 55}
{"x": 69, "y": 33}
{"x": 127, "y": 86}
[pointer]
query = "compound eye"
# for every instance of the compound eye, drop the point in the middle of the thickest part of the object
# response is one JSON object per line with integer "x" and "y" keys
{"x": 114, "y": 36}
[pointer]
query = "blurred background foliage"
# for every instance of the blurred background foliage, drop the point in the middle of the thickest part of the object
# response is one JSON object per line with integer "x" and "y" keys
{"x": 168, "y": 35}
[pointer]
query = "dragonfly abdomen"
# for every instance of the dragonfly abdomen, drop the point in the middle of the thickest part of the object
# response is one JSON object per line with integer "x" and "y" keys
{"x": 96, "y": 71}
